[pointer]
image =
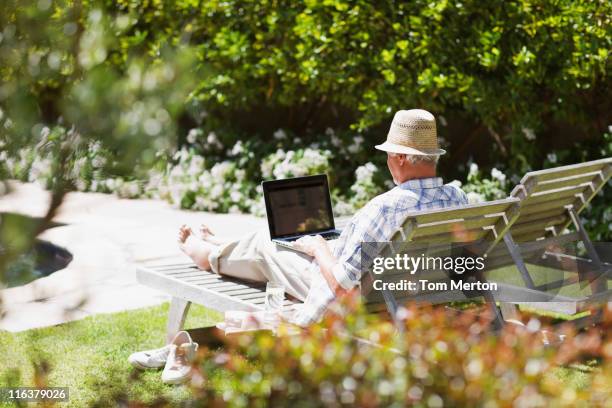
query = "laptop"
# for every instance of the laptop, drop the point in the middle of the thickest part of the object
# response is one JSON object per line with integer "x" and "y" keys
{"x": 297, "y": 207}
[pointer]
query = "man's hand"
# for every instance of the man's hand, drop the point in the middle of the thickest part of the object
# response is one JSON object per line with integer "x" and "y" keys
{"x": 318, "y": 248}
{"x": 312, "y": 245}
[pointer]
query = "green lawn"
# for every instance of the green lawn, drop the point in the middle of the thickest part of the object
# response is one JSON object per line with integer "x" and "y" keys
{"x": 90, "y": 356}
{"x": 541, "y": 275}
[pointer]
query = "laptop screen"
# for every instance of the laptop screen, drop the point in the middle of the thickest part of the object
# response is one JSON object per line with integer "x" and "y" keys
{"x": 298, "y": 206}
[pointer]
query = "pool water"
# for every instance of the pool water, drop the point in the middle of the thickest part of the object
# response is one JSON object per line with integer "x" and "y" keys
{"x": 43, "y": 260}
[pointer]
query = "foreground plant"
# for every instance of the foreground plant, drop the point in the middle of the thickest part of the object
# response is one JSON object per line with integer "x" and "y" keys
{"x": 441, "y": 359}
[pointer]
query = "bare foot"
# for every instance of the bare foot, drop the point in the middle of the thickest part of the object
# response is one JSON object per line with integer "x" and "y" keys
{"x": 184, "y": 233}
{"x": 207, "y": 235}
{"x": 197, "y": 249}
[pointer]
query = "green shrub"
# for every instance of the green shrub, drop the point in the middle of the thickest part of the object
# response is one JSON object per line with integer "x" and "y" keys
{"x": 508, "y": 64}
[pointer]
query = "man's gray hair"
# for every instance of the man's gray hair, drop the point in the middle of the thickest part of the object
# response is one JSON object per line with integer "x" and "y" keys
{"x": 420, "y": 158}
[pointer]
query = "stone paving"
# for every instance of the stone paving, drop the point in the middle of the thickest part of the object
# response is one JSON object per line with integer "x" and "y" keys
{"x": 108, "y": 238}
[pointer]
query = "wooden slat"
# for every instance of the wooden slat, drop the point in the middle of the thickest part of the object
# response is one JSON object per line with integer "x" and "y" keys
{"x": 192, "y": 293}
{"x": 180, "y": 267}
{"x": 222, "y": 285}
{"x": 594, "y": 177}
{"x": 251, "y": 296}
{"x": 455, "y": 226}
{"x": 468, "y": 211}
{"x": 165, "y": 266}
{"x": 557, "y": 194}
{"x": 555, "y": 212}
{"x": 205, "y": 278}
{"x": 548, "y": 205}
{"x": 185, "y": 274}
{"x": 566, "y": 171}
{"x": 178, "y": 271}
{"x": 528, "y": 237}
{"x": 242, "y": 291}
{"x": 464, "y": 236}
{"x": 541, "y": 224}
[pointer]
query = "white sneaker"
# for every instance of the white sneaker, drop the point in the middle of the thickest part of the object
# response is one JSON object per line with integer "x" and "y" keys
{"x": 178, "y": 365}
{"x": 150, "y": 358}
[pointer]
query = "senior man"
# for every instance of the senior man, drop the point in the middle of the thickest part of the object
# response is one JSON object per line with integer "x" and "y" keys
{"x": 327, "y": 270}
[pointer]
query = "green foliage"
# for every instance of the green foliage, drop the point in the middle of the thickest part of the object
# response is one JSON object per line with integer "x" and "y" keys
{"x": 61, "y": 70}
{"x": 507, "y": 65}
{"x": 67, "y": 71}
{"x": 440, "y": 360}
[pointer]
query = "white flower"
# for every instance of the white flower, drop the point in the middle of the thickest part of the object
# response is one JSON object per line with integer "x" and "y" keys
{"x": 529, "y": 133}
{"x": 44, "y": 133}
{"x": 497, "y": 174}
{"x": 129, "y": 189}
{"x": 216, "y": 191}
{"x": 95, "y": 147}
{"x": 110, "y": 184}
{"x": 98, "y": 162}
{"x": 205, "y": 178}
{"x": 474, "y": 198}
{"x": 181, "y": 155}
{"x": 200, "y": 203}
{"x": 81, "y": 185}
{"x": 365, "y": 172}
{"x": 280, "y": 134}
{"x": 236, "y": 196}
{"x": 473, "y": 168}
{"x": 343, "y": 208}
{"x": 221, "y": 170}
{"x": 240, "y": 174}
{"x": 237, "y": 149}
{"x": 196, "y": 166}
{"x": 40, "y": 169}
{"x": 552, "y": 157}
{"x": 213, "y": 140}
{"x": 354, "y": 148}
{"x": 192, "y": 136}
{"x": 234, "y": 209}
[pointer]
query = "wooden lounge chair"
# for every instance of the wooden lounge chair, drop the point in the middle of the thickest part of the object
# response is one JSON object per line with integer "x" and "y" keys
{"x": 481, "y": 227}
{"x": 187, "y": 284}
{"x": 550, "y": 202}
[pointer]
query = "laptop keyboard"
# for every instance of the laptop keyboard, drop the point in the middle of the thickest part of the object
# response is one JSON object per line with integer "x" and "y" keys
{"x": 328, "y": 237}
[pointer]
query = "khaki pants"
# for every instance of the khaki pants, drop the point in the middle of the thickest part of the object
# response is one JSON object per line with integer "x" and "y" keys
{"x": 255, "y": 257}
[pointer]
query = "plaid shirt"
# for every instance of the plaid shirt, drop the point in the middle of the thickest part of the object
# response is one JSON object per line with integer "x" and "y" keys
{"x": 376, "y": 222}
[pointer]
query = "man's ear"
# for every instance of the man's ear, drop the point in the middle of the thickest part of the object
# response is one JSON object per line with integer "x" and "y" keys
{"x": 401, "y": 158}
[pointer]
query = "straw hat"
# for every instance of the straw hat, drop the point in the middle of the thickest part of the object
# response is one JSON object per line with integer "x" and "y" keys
{"x": 412, "y": 132}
